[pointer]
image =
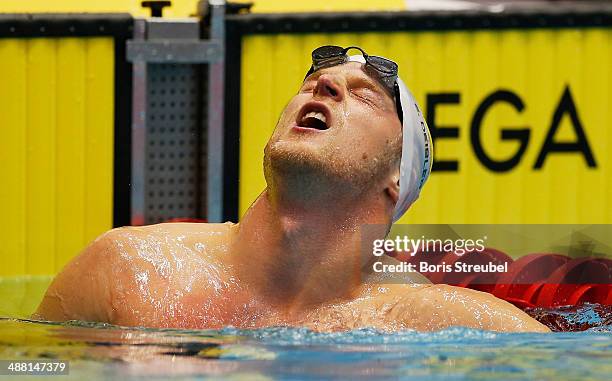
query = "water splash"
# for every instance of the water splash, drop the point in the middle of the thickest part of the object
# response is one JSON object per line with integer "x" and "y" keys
{"x": 104, "y": 351}
{"x": 574, "y": 318}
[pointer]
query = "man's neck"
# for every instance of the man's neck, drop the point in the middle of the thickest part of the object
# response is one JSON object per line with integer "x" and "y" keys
{"x": 298, "y": 258}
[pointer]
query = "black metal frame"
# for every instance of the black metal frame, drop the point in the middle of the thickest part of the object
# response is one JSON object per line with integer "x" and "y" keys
{"x": 116, "y": 25}
{"x": 231, "y": 139}
{"x": 247, "y": 24}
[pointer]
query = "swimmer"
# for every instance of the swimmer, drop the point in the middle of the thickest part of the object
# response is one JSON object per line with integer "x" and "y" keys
{"x": 350, "y": 148}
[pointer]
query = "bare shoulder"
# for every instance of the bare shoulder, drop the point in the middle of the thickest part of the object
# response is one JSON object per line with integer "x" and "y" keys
{"x": 164, "y": 244}
{"x": 441, "y": 306}
{"x": 184, "y": 234}
{"x": 133, "y": 266}
{"x": 83, "y": 279}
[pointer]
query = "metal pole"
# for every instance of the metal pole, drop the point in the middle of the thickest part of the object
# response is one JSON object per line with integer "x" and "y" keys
{"x": 216, "y": 87}
{"x": 139, "y": 137}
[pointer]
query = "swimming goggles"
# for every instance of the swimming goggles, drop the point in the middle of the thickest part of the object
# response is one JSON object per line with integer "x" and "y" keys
{"x": 384, "y": 70}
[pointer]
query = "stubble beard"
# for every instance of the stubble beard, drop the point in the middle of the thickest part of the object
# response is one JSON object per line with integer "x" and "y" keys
{"x": 324, "y": 169}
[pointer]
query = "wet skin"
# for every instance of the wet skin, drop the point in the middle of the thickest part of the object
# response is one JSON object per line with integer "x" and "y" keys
{"x": 294, "y": 259}
{"x": 182, "y": 275}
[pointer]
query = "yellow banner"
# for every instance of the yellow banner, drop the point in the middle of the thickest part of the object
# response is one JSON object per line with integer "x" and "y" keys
{"x": 56, "y": 150}
{"x": 521, "y": 118}
{"x": 186, "y": 8}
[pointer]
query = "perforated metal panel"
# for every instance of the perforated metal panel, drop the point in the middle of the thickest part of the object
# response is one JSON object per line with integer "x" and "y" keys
{"x": 174, "y": 137}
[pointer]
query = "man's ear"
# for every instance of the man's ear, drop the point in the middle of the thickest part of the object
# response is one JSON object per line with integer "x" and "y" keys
{"x": 392, "y": 188}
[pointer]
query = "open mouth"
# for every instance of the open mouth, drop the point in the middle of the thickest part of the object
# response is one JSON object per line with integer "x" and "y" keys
{"x": 314, "y": 115}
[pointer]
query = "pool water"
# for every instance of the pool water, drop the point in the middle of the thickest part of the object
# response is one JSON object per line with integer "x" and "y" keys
{"x": 102, "y": 351}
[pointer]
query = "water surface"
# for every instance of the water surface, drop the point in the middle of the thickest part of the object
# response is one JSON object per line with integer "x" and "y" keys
{"x": 101, "y": 351}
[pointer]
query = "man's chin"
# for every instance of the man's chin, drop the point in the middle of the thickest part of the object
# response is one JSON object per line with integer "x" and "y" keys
{"x": 296, "y": 155}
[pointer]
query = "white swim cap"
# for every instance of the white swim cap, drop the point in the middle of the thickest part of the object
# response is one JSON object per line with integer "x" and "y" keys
{"x": 417, "y": 149}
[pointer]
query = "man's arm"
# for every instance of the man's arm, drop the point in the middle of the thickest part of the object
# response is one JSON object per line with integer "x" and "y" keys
{"x": 441, "y": 306}
{"x": 81, "y": 291}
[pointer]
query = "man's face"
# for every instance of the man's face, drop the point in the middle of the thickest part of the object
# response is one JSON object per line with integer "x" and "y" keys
{"x": 341, "y": 123}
